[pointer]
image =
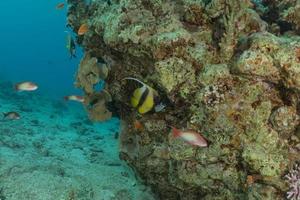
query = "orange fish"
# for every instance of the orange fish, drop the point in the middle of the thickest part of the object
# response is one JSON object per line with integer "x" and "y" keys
{"x": 60, "y": 6}
{"x": 137, "y": 125}
{"x": 250, "y": 180}
{"x": 190, "y": 137}
{"x": 83, "y": 29}
{"x": 26, "y": 86}
{"x": 74, "y": 98}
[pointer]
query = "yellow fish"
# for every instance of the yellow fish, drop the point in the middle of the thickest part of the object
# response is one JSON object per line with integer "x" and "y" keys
{"x": 143, "y": 97}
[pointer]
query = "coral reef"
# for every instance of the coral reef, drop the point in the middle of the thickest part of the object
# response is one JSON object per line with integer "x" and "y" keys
{"x": 90, "y": 73}
{"x": 228, "y": 69}
{"x": 293, "y": 178}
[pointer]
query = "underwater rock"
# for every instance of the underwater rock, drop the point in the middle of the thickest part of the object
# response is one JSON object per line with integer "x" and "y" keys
{"x": 285, "y": 120}
{"x": 227, "y": 69}
{"x": 283, "y": 15}
{"x": 173, "y": 72}
{"x": 292, "y": 16}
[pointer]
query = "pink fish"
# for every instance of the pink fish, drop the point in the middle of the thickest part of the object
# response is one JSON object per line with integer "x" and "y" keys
{"x": 74, "y": 98}
{"x": 26, "y": 86}
{"x": 191, "y": 137}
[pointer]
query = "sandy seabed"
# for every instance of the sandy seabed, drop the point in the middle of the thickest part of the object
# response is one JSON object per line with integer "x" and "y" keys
{"x": 55, "y": 153}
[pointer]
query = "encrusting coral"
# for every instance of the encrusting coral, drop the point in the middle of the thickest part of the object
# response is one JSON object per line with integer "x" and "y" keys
{"x": 293, "y": 179}
{"x": 228, "y": 69}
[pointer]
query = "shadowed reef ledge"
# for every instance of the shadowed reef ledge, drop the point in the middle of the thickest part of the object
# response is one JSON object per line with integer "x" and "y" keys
{"x": 229, "y": 69}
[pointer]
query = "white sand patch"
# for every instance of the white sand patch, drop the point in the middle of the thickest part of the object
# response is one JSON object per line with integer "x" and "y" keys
{"x": 55, "y": 153}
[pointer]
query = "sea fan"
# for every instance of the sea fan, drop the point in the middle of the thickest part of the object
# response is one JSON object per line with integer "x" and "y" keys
{"x": 293, "y": 179}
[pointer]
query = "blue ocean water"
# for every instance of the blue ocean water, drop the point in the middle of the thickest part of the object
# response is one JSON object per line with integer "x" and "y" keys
{"x": 33, "y": 41}
{"x": 53, "y": 152}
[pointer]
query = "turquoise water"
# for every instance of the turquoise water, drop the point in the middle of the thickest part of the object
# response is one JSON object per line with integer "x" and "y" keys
{"x": 33, "y": 41}
{"x": 54, "y": 152}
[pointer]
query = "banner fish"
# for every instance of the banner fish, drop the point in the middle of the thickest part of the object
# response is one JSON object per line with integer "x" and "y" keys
{"x": 191, "y": 137}
{"x": 143, "y": 97}
{"x": 26, "y": 86}
{"x": 71, "y": 46}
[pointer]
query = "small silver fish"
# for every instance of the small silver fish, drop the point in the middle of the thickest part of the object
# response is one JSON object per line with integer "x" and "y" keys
{"x": 26, "y": 86}
{"x": 11, "y": 116}
{"x": 71, "y": 46}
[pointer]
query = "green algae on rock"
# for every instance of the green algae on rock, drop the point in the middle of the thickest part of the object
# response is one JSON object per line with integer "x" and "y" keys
{"x": 223, "y": 70}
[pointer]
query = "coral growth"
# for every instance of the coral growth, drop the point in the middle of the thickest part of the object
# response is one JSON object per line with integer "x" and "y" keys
{"x": 228, "y": 69}
{"x": 89, "y": 74}
{"x": 293, "y": 179}
{"x": 96, "y": 105}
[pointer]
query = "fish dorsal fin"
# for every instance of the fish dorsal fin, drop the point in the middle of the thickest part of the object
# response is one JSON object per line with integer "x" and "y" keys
{"x": 141, "y": 82}
{"x": 137, "y": 80}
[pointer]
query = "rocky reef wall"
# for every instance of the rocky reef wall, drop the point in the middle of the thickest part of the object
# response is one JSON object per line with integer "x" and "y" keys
{"x": 228, "y": 69}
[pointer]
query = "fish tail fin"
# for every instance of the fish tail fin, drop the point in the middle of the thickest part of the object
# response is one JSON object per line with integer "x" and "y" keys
{"x": 66, "y": 98}
{"x": 176, "y": 132}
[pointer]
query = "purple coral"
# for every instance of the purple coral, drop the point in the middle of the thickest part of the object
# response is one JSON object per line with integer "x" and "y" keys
{"x": 293, "y": 178}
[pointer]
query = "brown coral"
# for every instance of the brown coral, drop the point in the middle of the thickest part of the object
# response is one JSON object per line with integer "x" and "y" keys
{"x": 96, "y": 106}
{"x": 90, "y": 72}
